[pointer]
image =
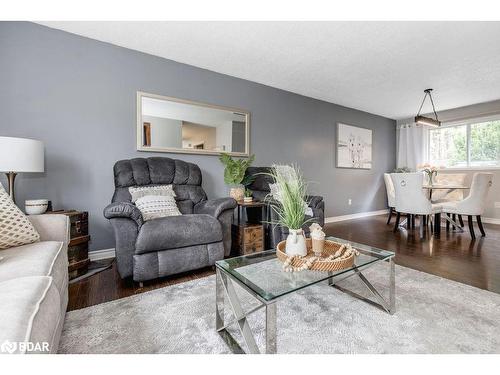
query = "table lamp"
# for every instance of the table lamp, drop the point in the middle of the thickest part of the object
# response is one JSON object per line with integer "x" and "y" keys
{"x": 20, "y": 155}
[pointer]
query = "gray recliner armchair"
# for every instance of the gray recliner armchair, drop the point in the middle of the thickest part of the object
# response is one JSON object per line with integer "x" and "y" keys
{"x": 164, "y": 246}
{"x": 274, "y": 234}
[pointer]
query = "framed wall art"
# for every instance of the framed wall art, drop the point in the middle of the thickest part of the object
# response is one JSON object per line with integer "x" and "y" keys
{"x": 354, "y": 147}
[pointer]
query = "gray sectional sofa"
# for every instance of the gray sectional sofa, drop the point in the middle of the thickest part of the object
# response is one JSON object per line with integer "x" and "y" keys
{"x": 34, "y": 289}
{"x": 165, "y": 246}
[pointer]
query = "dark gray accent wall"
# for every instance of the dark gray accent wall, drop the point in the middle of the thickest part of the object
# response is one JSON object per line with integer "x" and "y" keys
{"x": 78, "y": 96}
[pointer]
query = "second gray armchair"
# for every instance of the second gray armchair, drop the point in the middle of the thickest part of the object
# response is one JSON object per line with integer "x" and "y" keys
{"x": 274, "y": 234}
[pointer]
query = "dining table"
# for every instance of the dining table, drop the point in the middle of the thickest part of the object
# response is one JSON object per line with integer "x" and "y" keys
{"x": 437, "y": 217}
{"x": 444, "y": 187}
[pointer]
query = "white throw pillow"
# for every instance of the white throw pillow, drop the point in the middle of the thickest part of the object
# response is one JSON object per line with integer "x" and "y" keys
{"x": 15, "y": 228}
{"x": 155, "y": 206}
{"x": 137, "y": 192}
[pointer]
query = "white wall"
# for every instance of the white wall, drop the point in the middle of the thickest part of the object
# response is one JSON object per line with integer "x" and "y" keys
{"x": 164, "y": 132}
{"x": 224, "y": 136}
{"x": 193, "y": 134}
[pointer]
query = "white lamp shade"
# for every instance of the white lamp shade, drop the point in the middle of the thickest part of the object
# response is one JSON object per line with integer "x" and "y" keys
{"x": 21, "y": 155}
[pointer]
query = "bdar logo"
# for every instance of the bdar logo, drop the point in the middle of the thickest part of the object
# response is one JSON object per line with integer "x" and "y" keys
{"x": 8, "y": 347}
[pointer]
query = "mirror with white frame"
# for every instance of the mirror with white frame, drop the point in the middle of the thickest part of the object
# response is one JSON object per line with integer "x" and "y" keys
{"x": 166, "y": 124}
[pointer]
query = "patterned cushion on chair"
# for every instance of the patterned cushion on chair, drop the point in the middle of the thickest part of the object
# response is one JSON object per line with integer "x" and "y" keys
{"x": 156, "y": 206}
{"x": 15, "y": 228}
{"x": 155, "y": 201}
{"x": 137, "y": 192}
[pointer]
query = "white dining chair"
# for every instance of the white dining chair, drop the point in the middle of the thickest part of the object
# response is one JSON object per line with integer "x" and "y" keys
{"x": 391, "y": 196}
{"x": 411, "y": 199}
{"x": 475, "y": 202}
{"x": 449, "y": 195}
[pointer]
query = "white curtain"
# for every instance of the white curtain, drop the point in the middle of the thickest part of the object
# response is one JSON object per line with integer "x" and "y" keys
{"x": 412, "y": 145}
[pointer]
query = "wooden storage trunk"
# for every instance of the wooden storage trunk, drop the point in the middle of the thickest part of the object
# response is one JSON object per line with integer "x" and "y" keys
{"x": 248, "y": 238}
{"x": 78, "y": 248}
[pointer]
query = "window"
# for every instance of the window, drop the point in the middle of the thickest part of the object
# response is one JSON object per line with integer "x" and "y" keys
{"x": 471, "y": 144}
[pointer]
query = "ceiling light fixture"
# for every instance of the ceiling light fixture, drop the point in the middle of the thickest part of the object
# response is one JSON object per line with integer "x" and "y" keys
{"x": 422, "y": 120}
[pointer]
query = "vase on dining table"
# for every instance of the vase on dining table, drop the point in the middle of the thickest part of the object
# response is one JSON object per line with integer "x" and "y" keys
{"x": 430, "y": 176}
{"x": 430, "y": 170}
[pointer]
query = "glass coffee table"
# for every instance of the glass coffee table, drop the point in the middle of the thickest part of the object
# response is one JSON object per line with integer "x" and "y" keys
{"x": 261, "y": 275}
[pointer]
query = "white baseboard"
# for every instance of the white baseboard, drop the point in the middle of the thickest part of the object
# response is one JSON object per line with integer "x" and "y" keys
{"x": 102, "y": 254}
{"x": 335, "y": 219}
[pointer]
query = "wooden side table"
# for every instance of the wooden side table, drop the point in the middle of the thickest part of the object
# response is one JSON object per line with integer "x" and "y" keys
{"x": 78, "y": 247}
{"x": 247, "y": 237}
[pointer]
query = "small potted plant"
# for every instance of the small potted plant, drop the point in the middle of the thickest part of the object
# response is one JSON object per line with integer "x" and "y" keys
{"x": 248, "y": 196}
{"x": 290, "y": 206}
{"x": 234, "y": 175}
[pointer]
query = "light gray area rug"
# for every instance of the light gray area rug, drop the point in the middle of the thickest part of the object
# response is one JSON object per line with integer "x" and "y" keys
{"x": 433, "y": 315}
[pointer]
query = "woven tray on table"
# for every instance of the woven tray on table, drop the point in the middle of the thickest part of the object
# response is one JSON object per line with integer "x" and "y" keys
{"x": 321, "y": 264}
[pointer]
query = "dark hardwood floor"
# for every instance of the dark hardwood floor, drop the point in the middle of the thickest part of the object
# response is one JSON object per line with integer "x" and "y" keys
{"x": 453, "y": 255}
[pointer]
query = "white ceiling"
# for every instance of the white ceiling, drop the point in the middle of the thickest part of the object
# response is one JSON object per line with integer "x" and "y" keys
{"x": 378, "y": 67}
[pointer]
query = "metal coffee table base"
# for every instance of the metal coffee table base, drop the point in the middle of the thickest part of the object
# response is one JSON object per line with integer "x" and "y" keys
{"x": 382, "y": 303}
{"x": 225, "y": 288}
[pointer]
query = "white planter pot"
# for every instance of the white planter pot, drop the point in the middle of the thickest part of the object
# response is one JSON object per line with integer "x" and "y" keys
{"x": 296, "y": 243}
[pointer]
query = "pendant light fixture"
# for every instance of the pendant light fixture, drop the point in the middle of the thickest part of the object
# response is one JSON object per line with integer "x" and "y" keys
{"x": 422, "y": 120}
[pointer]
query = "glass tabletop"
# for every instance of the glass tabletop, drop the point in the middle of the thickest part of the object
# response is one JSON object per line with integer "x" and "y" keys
{"x": 263, "y": 274}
